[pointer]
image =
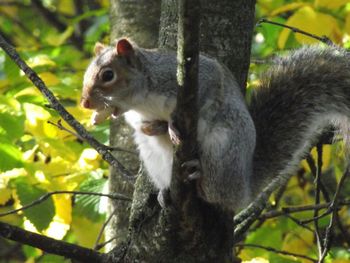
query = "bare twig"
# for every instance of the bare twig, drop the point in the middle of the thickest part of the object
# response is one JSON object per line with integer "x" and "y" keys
{"x": 311, "y": 163}
{"x": 13, "y": 3}
{"x": 298, "y": 222}
{"x": 97, "y": 245}
{"x": 334, "y": 208}
{"x": 323, "y": 39}
{"x": 110, "y": 148}
{"x": 61, "y": 127}
{"x": 50, "y": 245}
{"x": 46, "y": 196}
{"x": 297, "y": 209}
{"x": 317, "y": 198}
{"x": 56, "y": 105}
{"x": 282, "y": 252}
{"x": 248, "y": 216}
{"x": 101, "y": 245}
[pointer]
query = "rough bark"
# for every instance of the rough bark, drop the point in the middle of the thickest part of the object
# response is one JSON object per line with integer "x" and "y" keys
{"x": 138, "y": 20}
{"x": 191, "y": 230}
{"x": 127, "y": 19}
{"x": 227, "y": 28}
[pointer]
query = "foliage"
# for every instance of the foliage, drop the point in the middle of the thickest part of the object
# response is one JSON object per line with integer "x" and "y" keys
{"x": 37, "y": 157}
{"x": 321, "y": 18}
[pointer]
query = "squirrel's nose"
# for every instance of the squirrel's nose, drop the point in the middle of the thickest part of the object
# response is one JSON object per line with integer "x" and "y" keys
{"x": 85, "y": 103}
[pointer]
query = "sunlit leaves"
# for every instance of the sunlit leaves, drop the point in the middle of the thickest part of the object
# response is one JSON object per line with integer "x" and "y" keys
{"x": 41, "y": 215}
{"x": 309, "y": 20}
{"x": 321, "y": 18}
{"x": 37, "y": 157}
{"x": 89, "y": 206}
{"x": 11, "y": 157}
{"x": 331, "y": 4}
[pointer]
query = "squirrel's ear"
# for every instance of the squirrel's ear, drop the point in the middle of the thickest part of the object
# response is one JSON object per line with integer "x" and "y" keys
{"x": 98, "y": 48}
{"x": 124, "y": 48}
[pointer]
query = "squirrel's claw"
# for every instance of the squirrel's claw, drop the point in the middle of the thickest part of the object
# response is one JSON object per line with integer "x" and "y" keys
{"x": 193, "y": 169}
{"x": 154, "y": 128}
{"x": 174, "y": 133}
{"x": 163, "y": 198}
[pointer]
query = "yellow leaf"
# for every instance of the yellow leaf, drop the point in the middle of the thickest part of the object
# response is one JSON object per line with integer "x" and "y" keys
{"x": 61, "y": 222}
{"x": 89, "y": 159}
{"x": 40, "y": 60}
{"x": 28, "y": 91}
{"x": 85, "y": 238}
{"x": 347, "y": 23}
{"x": 326, "y": 157}
{"x": 10, "y": 105}
{"x": 256, "y": 260}
{"x": 36, "y": 121}
{"x": 5, "y": 195}
{"x": 10, "y": 174}
{"x": 288, "y": 7}
{"x": 11, "y": 10}
{"x": 341, "y": 261}
{"x": 300, "y": 242}
{"x": 331, "y": 4}
{"x": 67, "y": 7}
{"x": 49, "y": 78}
{"x": 81, "y": 114}
{"x": 317, "y": 23}
{"x": 59, "y": 39}
{"x": 4, "y": 83}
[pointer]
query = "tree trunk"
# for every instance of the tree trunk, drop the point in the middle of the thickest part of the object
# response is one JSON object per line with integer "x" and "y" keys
{"x": 226, "y": 32}
{"x": 127, "y": 19}
{"x": 194, "y": 231}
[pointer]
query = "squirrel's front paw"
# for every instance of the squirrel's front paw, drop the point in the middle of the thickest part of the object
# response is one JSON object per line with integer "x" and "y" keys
{"x": 192, "y": 169}
{"x": 154, "y": 128}
{"x": 163, "y": 198}
{"x": 174, "y": 133}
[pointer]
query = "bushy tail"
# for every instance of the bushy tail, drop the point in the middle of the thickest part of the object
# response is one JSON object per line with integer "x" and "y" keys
{"x": 299, "y": 97}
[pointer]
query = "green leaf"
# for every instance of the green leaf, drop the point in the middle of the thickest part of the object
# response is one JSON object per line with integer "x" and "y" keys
{"x": 11, "y": 157}
{"x": 101, "y": 132}
{"x": 53, "y": 259}
{"x": 89, "y": 205}
{"x": 11, "y": 70}
{"x": 12, "y": 126}
{"x": 39, "y": 215}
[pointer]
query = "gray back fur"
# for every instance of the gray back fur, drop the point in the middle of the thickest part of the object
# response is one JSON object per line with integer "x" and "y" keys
{"x": 299, "y": 96}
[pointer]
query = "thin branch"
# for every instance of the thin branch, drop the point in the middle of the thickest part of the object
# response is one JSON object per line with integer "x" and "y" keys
{"x": 298, "y": 222}
{"x": 110, "y": 148}
{"x": 56, "y": 105}
{"x": 323, "y": 39}
{"x": 282, "y": 252}
{"x": 53, "y": 19}
{"x": 50, "y": 245}
{"x": 334, "y": 208}
{"x": 61, "y": 127}
{"x": 248, "y": 216}
{"x": 311, "y": 163}
{"x": 101, "y": 245}
{"x": 297, "y": 209}
{"x": 13, "y": 3}
{"x": 317, "y": 198}
{"x": 97, "y": 245}
{"x": 49, "y": 16}
{"x": 44, "y": 197}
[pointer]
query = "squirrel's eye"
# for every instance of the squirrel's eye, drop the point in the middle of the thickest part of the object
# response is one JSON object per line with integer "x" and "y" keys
{"x": 107, "y": 75}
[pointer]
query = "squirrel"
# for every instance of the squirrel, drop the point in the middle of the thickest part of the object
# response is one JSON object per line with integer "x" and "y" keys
{"x": 241, "y": 148}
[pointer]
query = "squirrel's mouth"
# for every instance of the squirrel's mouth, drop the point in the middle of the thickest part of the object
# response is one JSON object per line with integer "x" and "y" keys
{"x": 100, "y": 115}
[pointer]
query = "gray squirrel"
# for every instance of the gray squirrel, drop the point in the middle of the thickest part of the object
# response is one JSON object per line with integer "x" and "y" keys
{"x": 241, "y": 148}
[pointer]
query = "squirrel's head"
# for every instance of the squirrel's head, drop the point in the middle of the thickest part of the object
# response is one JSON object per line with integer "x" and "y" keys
{"x": 107, "y": 81}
